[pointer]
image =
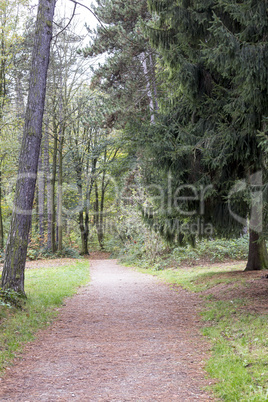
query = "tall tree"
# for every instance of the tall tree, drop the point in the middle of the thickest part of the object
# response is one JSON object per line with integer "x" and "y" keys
{"x": 216, "y": 56}
{"x": 16, "y": 249}
{"x": 126, "y": 73}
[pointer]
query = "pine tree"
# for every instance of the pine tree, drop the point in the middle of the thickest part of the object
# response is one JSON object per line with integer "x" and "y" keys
{"x": 216, "y": 55}
{"x": 126, "y": 75}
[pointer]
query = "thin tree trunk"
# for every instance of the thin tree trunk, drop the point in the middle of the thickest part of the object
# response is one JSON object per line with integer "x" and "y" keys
{"x": 152, "y": 68}
{"x": 84, "y": 233}
{"x": 96, "y": 206}
{"x": 41, "y": 198}
{"x": 60, "y": 182}
{"x": 2, "y": 104}
{"x": 98, "y": 219}
{"x": 19, "y": 96}
{"x": 60, "y": 178}
{"x": 148, "y": 86}
{"x": 16, "y": 250}
{"x": 52, "y": 187}
{"x": 101, "y": 213}
{"x": 48, "y": 181}
{"x": 257, "y": 256}
{"x": 83, "y": 227}
{"x": 1, "y": 216}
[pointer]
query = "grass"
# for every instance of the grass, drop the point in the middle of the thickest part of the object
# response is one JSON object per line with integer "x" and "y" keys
{"x": 46, "y": 289}
{"x": 195, "y": 279}
{"x": 239, "y": 339}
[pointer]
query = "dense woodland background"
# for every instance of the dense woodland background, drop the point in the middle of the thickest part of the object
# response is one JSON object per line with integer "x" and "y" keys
{"x": 163, "y": 95}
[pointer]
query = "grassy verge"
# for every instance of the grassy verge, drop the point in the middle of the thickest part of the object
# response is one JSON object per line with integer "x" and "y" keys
{"x": 239, "y": 337}
{"x": 46, "y": 289}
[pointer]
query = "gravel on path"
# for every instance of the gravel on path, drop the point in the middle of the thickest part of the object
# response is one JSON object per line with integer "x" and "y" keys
{"x": 127, "y": 336}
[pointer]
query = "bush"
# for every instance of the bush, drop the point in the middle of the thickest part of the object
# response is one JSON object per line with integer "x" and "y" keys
{"x": 44, "y": 252}
{"x": 68, "y": 252}
{"x": 214, "y": 250}
{"x": 10, "y": 298}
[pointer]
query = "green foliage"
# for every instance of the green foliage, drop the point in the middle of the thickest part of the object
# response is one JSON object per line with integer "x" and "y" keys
{"x": 68, "y": 252}
{"x": 121, "y": 76}
{"x": 44, "y": 252}
{"x": 149, "y": 251}
{"x": 132, "y": 239}
{"x": 214, "y": 54}
{"x": 10, "y": 298}
{"x": 213, "y": 250}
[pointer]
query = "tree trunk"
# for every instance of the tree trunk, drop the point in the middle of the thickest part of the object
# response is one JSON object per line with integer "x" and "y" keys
{"x": 148, "y": 86}
{"x": 52, "y": 189}
{"x": 48, "y": 182}
{"x": 84, "y": 230}
{"x": 84, "y": 233}
{"x": 60, "y": 173}
{"x": 98, "y": 217}
{"x": 152, "y": 68}
{"x": 257, "y": 256}
{"x": 3, "y": 92}
{"x": 1, "y": 217}
{"x": 19, "y": 95}
{"x": 60, "y": 182}
{"x": 101, "y": 217}
{"x": 16, "y": 250}
{"x": 41, "y": 198}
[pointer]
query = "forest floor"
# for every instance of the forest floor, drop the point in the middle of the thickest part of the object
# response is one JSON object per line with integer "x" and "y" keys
{"x": 124, "y": 337}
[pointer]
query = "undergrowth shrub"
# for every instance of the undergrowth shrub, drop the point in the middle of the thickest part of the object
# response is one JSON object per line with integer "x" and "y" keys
{"x": 44, "y": 252}
{"x": 210, "y": 250}
{"x": 214, "y": 250}
{"x": 132, "y": 239}
{"x": 10, "y": 298}
{"x": 68, "y": 252}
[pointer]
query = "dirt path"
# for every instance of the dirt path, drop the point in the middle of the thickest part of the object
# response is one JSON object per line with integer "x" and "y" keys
{"x": 126, "y": 337}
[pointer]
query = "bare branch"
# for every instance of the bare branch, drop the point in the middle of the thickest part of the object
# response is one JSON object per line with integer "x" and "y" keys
{"x": 92, "y": 12}
{"x": 55, "y": 36}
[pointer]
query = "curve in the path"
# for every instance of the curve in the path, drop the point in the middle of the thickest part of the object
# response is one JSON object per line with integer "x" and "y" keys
{"x": 125, "y": 337}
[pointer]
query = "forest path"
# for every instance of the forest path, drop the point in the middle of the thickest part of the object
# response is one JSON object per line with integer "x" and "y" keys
{"x": 125, "y": 337}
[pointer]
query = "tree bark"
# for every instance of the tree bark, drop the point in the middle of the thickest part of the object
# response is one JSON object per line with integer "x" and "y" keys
{"x": 101, "y": 212}
{"x": 3, "y": 93}
{"x": 98, "y": 217}
{"x": 16, "y": 250}
{"x": 152, "y": 68}
{"x": 257, "y": 256}
{"x": 60, "y": 183}
{"x": 60, "y": 174}
{"x": 84, "y": 230}
{"x": 148, "y": 86}
{"x": 48, "y": 182}
{"x": 1, "y": 216}
{"x": 52, "y": 189}
{"x": 41, "y": 198}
